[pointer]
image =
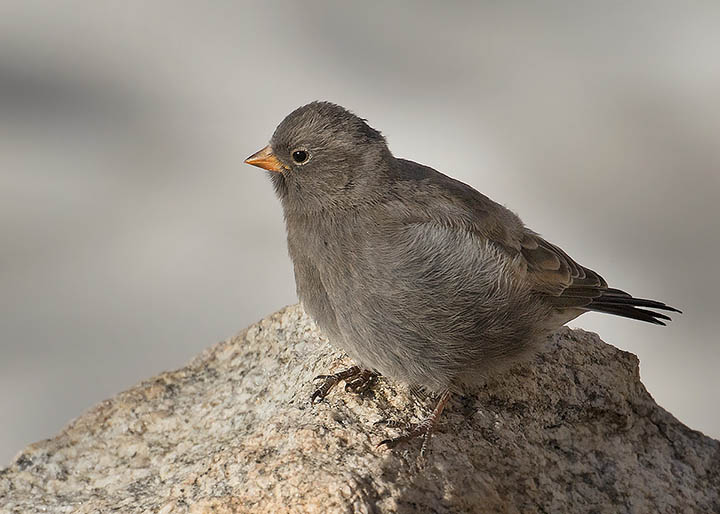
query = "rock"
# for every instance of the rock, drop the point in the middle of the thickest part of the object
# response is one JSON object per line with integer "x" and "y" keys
{"x": 572, "y": 430}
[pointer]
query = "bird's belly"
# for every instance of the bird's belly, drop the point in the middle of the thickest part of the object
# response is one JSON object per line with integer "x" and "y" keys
{"x": 430, "y": 340}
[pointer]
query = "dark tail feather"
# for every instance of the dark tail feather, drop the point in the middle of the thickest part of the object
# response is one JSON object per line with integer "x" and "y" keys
{"x": 619, "y": 303}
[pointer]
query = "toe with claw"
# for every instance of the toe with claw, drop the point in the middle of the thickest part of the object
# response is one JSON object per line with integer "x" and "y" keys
{"x": 361, "y": 382}
{"x": 356, "y": 379}
{"x": 423, "y": 429}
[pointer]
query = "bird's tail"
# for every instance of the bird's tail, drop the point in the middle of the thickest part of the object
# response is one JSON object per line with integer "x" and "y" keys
{"x": 620, "y": 303}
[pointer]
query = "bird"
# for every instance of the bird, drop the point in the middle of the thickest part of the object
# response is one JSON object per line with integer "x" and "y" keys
{"x": 416, "y": 276}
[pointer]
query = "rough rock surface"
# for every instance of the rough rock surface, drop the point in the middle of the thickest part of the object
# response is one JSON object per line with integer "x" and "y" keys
{"x": 572, "y": 430}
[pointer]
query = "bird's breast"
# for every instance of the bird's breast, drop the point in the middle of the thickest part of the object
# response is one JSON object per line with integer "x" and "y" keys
{"x": 319, "y": 263}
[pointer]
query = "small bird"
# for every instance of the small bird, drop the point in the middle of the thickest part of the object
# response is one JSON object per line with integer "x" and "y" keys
{"x": 417, "y": 276}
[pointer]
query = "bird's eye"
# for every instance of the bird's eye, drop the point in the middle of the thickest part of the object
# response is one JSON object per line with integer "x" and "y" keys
{"x": 300, "y": 156}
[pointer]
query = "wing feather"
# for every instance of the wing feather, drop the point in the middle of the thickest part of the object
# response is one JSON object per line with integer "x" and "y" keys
{"x": 558, "y": 276}
{"x": 567, "y": 285}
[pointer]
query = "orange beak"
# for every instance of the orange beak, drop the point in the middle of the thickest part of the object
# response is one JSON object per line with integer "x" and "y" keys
{"x": 266, "y": 160}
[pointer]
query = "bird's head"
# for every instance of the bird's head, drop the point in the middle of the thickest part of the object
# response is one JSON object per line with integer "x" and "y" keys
{"x": 322, "y": 152}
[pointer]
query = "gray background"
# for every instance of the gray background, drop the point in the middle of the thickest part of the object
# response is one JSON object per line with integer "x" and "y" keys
{"x": 132, "y": 235}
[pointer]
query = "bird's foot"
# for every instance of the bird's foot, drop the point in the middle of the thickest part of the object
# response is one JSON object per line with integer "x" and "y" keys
{"x": 361, "y": 382}
{"x": 357, "y": 380}
{"x": 423, "y": 429}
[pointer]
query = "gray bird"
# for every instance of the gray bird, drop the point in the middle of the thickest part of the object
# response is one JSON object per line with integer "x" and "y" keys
{"x": 415, "y": 275}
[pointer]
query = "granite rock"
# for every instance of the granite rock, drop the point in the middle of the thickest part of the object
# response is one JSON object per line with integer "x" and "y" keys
{"x": 571, "y": 430}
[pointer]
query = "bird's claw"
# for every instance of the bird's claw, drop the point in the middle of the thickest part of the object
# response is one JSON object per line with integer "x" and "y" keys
{"x": 357, "y": 380}
{"x": 423, "y": 429}
{"x": 392, "y": 423}
{"x": 361, "y": 382}
{"x": 320, "y": 394}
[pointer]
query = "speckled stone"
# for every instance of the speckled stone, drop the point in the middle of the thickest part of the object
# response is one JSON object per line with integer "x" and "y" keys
{"x": 572, "y": 430}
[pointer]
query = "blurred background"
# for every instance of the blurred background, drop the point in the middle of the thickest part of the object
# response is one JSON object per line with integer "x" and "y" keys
{"x": 132, "y": 235}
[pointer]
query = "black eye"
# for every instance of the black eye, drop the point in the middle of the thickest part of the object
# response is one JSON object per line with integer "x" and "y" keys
{"x": 300, "y": 156}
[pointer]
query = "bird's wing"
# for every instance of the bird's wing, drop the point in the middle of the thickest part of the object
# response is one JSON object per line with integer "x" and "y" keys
{"x": 556, "y": 275}
{"x": 566, "y": 284}
{"x": 546, "y": 269}
{"x": 540, "y": 267}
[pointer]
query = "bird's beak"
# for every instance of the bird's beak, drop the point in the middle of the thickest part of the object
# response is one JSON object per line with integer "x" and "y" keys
{"x": 266, "y": 160}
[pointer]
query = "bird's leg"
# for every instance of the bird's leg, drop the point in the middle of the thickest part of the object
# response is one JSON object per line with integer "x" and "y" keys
{"x": 423, "y": 429}
{"x": 356, "y": 379}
